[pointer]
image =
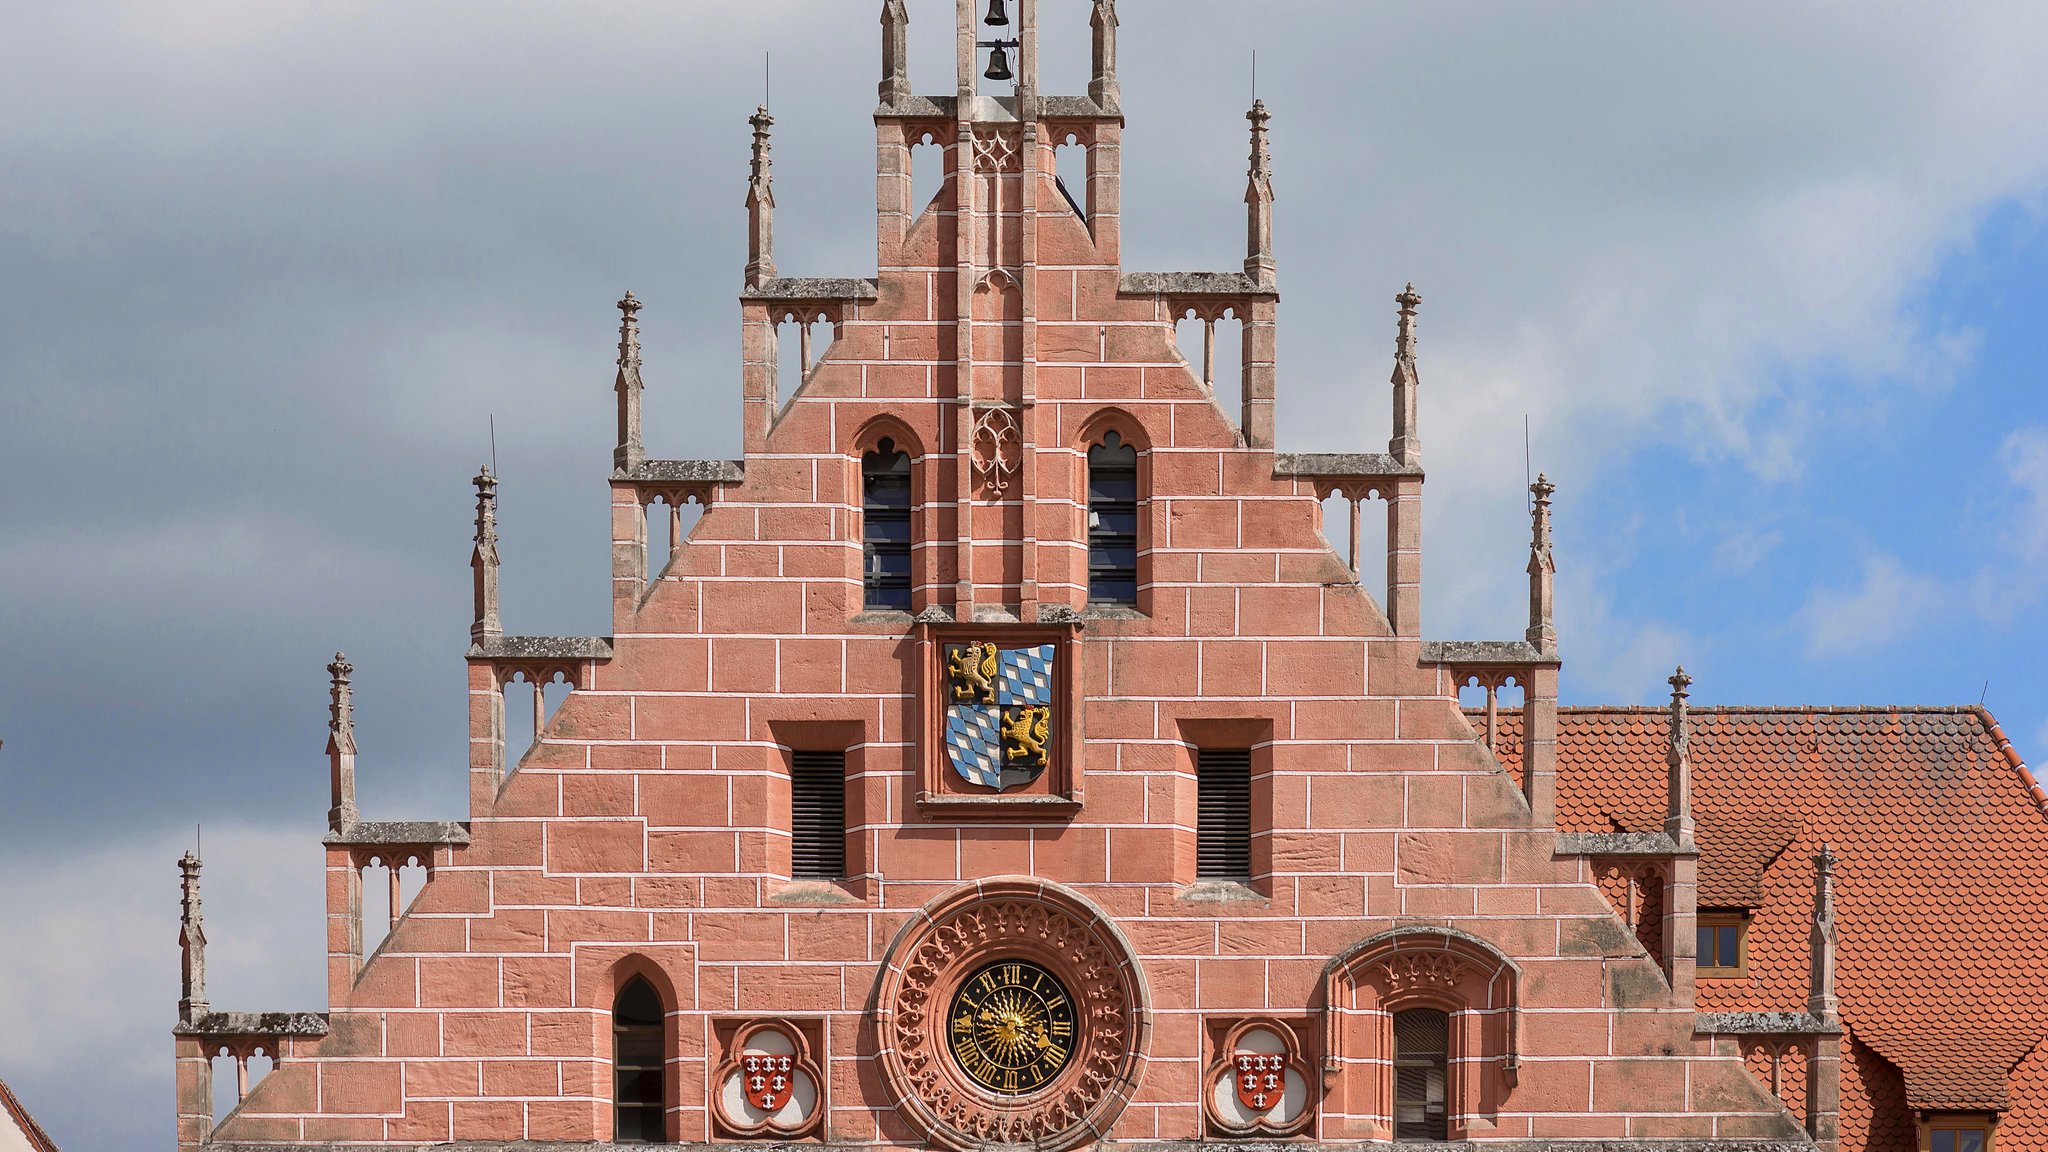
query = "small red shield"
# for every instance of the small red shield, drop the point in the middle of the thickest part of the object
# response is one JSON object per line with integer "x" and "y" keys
{"x": 768, "y": 1080}
{"x": 1261, "y": 1077}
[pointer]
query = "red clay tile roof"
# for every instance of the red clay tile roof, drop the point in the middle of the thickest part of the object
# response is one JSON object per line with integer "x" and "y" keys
{"x": 1942, "y": 912}
{"x": 11, "y": 1107}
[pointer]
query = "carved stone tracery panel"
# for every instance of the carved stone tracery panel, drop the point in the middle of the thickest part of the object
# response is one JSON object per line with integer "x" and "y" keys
{"x": 962, "y": 935}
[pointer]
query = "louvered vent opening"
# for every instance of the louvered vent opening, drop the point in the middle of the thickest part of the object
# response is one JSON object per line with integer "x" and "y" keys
{"x": 1422, "y": 1041}
{"x": 1223, "y": 799}
{"x": 817, "y": 816}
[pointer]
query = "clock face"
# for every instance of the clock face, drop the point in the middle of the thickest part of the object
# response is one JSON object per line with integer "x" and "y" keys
{"x": 1011, "y": 1027}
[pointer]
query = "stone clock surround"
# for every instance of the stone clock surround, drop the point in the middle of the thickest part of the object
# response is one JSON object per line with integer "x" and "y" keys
{"x": 958, "y": 934}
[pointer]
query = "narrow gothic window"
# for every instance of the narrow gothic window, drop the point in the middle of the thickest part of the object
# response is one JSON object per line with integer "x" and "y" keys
{"x": 1113, "y": 523}
{"x": 637, "y": 1046}
{"x": 817, "y": 816}
{"x": 885, "y": 532}
{"x": 1223, "y": 814}
{"x": 1422, "y": 1042}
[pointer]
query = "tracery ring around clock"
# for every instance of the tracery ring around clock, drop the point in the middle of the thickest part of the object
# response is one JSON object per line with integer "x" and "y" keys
{"x": 1011, "y": 1012}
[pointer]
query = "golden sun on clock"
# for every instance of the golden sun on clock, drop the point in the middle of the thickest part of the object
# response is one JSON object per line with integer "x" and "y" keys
{"x": 1011, "y": 1027}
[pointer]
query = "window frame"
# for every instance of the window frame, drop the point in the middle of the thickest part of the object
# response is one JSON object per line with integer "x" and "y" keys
{"x": 1441, "y": 1063}
{"x": 1131, "y": 435}
{"x": 660, "y": 1032}
{"x": 887, "y": 444}
{"x": 1958, "y": 1124}
{"x": 1715, "y": 919}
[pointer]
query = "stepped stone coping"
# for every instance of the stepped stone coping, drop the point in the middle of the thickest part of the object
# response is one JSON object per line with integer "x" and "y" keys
{"x": 255, "y": 1024}
{"x": 1763, "y": 1024}
{"x": 686, "y": 472}
{"x": 947, "y": 107}
{"x": 1484, "y": 652}
{"x": 373, "y": 832}
{"x": 813, "y": 288}
{"x": 1619, "y": 844}
{"x": 1340, "y": 464}
{"x": 1191, "y": 284}
{"x": 542, "y": 648}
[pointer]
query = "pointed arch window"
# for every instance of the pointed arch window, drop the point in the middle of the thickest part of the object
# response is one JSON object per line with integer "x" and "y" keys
{"x": 1422, "y": 1048}
{"x": 640, "y": 1092}
{"x": 1113, "y": 523}
{"x": 885, "y": 527}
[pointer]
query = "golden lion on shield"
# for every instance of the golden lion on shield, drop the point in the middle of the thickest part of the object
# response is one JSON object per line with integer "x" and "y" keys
{"x": 972, "y": 668}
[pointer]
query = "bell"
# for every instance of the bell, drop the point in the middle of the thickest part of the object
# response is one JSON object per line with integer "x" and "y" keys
{"x": 999, "y": 63}
{"x": 997, "y": 16}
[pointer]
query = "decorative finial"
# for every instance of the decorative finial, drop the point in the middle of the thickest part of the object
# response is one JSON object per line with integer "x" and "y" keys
{"x": 631, "y": 449}
{"x": 1822, "y": 1000}
{"x": 1539, "y": 514}
{"x": 1542, "y": 569}
{"x": 341, "y": 719}
{"x": 629, "y": 331}
{"x": 1404, "y": 344}
{"x": 341, "y": 745}
{"x": 484, "y": 559}
{"x": 1260, "y": 263}
{"x": 1681, "y": 716}
{"x": 486, "y": 510}
{"x": 761, "y": 205}
{"x": 1678, "y": 823}
{"x": 762, "y": 122}
{"x": 192, "y": 1003}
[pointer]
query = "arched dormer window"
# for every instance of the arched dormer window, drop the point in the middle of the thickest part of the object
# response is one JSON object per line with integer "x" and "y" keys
{"x": 640, "y": 1094}
{"x": 1422, "y": 1050}
{"x": 885, "y": 527}
{"x": 1113, "y": 523}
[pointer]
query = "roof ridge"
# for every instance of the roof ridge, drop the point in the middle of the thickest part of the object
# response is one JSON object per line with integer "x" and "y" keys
{"x": 38, "y": 1139}
{"x": 2012, "y": 757}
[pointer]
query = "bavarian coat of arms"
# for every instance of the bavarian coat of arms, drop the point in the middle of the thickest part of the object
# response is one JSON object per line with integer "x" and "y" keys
{"x": 999, "y": 713}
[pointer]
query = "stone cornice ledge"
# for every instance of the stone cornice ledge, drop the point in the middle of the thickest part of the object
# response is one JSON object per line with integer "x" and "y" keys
{"x": 370, "y": 833}
{"x": 813, "y": 288}
{"x": 1647, "y": 1145}
{"x": 1763, "y": 1024}
{"x": 685, "y": 472}
{"x": 1709, "y": 1144}
{"x": 542, "y": 648}
{"x": 1485, "y": 652}
{"x": 1340, "y": 464}
{"x": 1619, "y": 844}
{"x": 1191, "y": 284}
{"x": 254, "y": 1024}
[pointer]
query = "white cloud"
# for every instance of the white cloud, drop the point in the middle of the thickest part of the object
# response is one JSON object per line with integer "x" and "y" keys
{"x": 1888, "y": 605}
{"x": 2025, "y": 458}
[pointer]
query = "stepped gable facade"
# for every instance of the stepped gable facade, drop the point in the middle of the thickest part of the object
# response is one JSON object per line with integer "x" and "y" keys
{"x": 1006, "y": 757}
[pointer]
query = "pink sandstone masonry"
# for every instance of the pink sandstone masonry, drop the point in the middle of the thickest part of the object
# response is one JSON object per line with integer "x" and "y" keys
{"x": 1395, "y": 863}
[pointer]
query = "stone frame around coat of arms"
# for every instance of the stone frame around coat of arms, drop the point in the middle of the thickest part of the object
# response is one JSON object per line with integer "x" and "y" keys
{"x": 1051, "y": 786}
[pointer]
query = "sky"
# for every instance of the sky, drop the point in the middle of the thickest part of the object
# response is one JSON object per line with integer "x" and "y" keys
{"x": 1766, "y": 281}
